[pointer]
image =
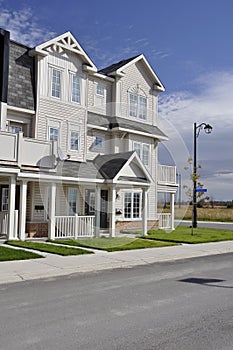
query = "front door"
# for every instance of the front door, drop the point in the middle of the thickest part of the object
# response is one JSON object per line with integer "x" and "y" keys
{"x": 104, "y": 209}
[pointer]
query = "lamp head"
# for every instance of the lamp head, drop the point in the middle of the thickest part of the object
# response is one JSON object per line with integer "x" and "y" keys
{"x": 208, "y": 128}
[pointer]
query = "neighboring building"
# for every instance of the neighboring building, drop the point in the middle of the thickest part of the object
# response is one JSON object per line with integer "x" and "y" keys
{"x": 78, "y": 146}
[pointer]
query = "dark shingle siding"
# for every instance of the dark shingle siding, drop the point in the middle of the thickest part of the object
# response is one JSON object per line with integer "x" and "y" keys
{"x": 21, "y": 87}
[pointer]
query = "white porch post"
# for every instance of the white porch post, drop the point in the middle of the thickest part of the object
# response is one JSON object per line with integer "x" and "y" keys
{"x": 97, "y": 210}
{"x": 144, "y": 211}
{"x": 52, "y": 211}
{"x": 11, "y": 208}
{"x": 172, "y": 208}
{"x": 22, "y": 208}
{"x": 113, "y": 211}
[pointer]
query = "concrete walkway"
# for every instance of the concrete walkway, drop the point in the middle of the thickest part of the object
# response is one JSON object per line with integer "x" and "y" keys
{"x": 54, "y": 265}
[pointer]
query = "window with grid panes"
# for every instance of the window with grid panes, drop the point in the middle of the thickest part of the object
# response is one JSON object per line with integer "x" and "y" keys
{"x": 137, "y": 106}
{"x": 56, "y": 83}
{"x": 76, "y": 89}
{"x": 132, "y": 205}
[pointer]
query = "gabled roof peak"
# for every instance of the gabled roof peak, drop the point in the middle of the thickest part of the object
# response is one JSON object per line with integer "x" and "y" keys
{"x": 61, "y": 43}
{"x": 117, "y": 69}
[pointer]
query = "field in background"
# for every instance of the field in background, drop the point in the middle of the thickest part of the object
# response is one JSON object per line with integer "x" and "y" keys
{"x": 210, "y": 214}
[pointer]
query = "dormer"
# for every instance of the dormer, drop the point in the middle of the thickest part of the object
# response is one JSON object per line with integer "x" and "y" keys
{"x": 136, "y": 89}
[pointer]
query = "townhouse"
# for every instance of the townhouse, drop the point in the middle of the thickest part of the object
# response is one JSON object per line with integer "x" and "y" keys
{"x": 78, "y": 145}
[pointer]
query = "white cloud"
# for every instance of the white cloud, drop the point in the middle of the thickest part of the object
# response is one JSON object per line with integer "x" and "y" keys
{"x": 24, "y": 26}
{"x": 211, "y": 103}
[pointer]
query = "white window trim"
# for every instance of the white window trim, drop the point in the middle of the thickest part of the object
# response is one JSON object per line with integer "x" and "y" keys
{"x": 69, "y": 140}
{"x": 98, "y": 148}
{"x": 6, "y": 203}
{"x": 140, "y": 205}
{"x": 50, "y": 75}
{"x": 76, "y": 200}
{"x": 138, "y": 95}
{"x": 51, "y": 82}
{"x": 141, "y": 151}
{"x": 99, "y": 99}
{"x": 71, "y": 76}
{"x": 56, "y": 124}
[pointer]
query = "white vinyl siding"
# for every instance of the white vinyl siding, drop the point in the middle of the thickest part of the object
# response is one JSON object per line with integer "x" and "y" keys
{"x": 56, "y": 83}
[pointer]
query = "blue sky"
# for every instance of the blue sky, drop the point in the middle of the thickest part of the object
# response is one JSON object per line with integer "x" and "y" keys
{"x": 188, "y": 44}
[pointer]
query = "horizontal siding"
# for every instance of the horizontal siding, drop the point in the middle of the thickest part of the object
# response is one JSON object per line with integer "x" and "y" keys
{"x": 92, "y": 104}
{"x": 67, "y": 117}
{"x": 135, "y": 75}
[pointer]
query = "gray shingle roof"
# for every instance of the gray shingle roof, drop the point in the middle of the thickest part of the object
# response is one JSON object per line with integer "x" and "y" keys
{"x": 116, "y": 66}
{"x": 109, "y": 165}
{"x": 117, "y": 122}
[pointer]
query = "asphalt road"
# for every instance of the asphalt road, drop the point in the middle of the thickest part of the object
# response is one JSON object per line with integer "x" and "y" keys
{"x": 209, "y": 224}
{"x": 179, "y": 305}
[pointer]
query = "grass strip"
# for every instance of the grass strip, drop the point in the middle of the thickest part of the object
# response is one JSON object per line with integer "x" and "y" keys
{"x": 115, "y": 244}
{"x": 183, "y": 234}
{"x": 9, "y": 254}
{"x": 49, "y": 248}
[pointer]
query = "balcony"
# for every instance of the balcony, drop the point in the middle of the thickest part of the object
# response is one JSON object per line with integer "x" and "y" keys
{"x": 17, "y": 150}
{"x": 167, "y": 175}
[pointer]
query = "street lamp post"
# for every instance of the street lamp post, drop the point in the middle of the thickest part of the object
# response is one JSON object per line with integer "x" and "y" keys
{"x": 196, "y": 130}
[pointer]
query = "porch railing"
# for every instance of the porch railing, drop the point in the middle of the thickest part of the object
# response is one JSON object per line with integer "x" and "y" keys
{"x": 4, "y": 223}
{"x": 167, "y": 174}
{"x": 74, "y": 226}
{"x": 165, "y": 221}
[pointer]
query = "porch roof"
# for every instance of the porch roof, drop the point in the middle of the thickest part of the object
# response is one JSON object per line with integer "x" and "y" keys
{"x": 119, "y": 123}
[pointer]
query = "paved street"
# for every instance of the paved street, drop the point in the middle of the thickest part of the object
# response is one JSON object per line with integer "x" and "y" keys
{"x": 183, "y": 305}
{"x": 210, "y": 224}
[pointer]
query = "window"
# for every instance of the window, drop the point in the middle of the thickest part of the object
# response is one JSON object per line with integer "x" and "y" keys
{"x": 132, "y": 205}
{"x": 100, "y": 89}
{"x": 74, "y": 140}
{"x": 89, "y": 202}
{"x": 98, "y": 143}
{"x": 53, "y": 134}
{"x": 72, "y": 200}
{"x": 76, "y": 89}
{"x": 16, "y": 129}
{"x": 56, "y": 83}
{"x": 142, "y": 150}
{"x": 5, "y": 196}
{"x": 137, "y": 106}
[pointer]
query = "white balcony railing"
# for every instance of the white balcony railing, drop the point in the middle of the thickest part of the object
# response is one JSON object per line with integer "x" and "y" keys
{"x": 4, "y": 223}
{"x": 74, "y": 226}
{"x": 25, "y": 151}
{"x": 167, "y": 174}
{"x": 165, "y": 221}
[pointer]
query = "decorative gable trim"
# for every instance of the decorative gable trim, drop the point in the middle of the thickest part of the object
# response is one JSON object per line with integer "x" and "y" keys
{"x": 64, "y": 42}
{"x": 134, "y": 158}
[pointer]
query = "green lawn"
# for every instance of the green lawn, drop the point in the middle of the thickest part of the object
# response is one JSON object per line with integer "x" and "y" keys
{"x": 49, "y": 248}
{"x": 115, "y": 244}
{"x": 8, "y": 254}
{"x": 183, "y": 234}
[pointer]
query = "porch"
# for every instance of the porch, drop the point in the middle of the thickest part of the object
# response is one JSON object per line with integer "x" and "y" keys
{"x": 166, "y": 186}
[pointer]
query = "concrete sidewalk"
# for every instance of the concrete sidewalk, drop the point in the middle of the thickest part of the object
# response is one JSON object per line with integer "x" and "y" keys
{"x": 54, "y": 265}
